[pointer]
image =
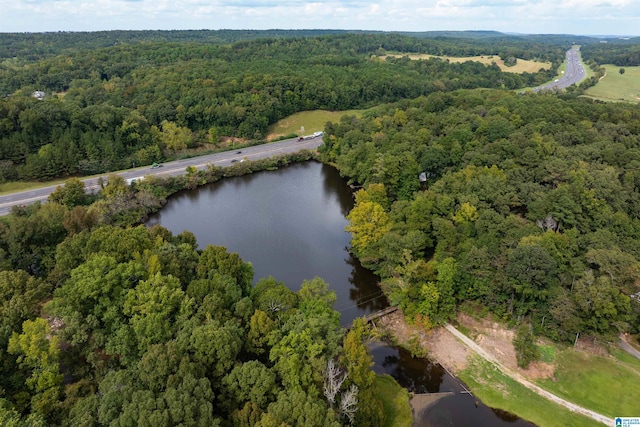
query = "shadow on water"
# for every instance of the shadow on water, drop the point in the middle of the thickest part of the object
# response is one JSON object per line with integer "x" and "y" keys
{"x": 419, "y": 375}
{"x": 365, "y": 290}
{"x": 335, "y": 184}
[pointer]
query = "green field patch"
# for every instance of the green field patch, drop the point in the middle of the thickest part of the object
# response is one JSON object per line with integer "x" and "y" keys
{"x": 395, "y": 399}
{"x": 499, "y": 391}
{"x": 617, "y": 87}
{"x": 547, "y": 353}
{"x": 625, "y": 358}
{"x": 311, "y": 121}
{"x": 603, "y": 384}
{"x": 16, "y": 186}
{"x": 521, "y": 66}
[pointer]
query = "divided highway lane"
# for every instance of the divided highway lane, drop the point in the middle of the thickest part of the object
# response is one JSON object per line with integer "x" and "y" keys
{"x": 175, "y": 168}
{"x": 573, "y": 74}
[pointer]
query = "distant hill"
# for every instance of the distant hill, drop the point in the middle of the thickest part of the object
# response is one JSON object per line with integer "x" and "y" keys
{"x": 471, "y": 34}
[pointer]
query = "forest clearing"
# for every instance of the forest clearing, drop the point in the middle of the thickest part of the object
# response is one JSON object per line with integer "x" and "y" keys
{"x": 521, "y": 66}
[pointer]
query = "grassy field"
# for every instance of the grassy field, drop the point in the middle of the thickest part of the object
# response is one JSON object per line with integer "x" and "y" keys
{"x": 522, "y": 65}
{"x": 499, "y": 391}
{"x": 617, "y": 87}
{"x": 312, "y": 121}
{"x": 608, "y": 385}
{"x": 12, "y": 187}
{"x": 627, "y": 359}
{"x": 396, "y": 402}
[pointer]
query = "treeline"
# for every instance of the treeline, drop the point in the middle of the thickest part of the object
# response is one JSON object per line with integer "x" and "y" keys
{"x": 133, "y": 104}
{"x": 37, "y": 46}
{"x": 530, "y": 207}
{"x": 28, "y": 237}
{"x": 614, "y": 52}
{"x": 102, "y": 324}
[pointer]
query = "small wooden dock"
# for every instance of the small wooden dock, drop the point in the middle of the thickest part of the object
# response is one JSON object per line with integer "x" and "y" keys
{"x": 373, "y": 316}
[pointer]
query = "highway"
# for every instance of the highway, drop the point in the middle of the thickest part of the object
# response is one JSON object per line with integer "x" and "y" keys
{"x": 573, "y": 74}
{"x": 174, "y": 168}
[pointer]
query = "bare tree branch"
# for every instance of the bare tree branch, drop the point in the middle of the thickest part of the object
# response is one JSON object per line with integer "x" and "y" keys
{"x": 349, "y": 403}
{"x": 333, "y": 380}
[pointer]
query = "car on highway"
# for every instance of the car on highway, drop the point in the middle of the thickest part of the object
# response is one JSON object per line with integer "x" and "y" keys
{"x": 234, "y": 161}
{"x": 156, "y": 165}
{"x": 238, "y": 152}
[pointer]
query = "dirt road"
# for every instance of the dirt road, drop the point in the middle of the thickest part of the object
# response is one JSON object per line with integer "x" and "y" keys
{"x": 547, "y": 395}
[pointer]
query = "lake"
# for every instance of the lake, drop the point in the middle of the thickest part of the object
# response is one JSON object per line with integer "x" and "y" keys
{"x": 289, "y": 224}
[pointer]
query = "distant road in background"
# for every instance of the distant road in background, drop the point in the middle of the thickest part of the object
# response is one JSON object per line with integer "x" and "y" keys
{"x": 175, "y": 168}
{"x": 573, "y": 74}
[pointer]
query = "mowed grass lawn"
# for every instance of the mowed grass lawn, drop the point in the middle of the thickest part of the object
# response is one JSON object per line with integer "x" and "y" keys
{"x": 608, "y": 385}
{"x": 522, "y": 65}
{"x": 500, "y": 391}
{"x": 312, "y": 121}
{"x": 617, "y": 87}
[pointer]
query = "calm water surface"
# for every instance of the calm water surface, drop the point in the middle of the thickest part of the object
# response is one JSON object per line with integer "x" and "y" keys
{"x": 418, "y": 375}
{"x": 290, "y": 224}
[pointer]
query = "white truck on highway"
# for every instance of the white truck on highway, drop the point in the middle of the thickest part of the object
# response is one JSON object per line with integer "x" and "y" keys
{"x": 313, "y": 135}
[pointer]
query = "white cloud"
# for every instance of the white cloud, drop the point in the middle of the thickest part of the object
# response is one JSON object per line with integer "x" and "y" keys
{"x": 530, "y": 16}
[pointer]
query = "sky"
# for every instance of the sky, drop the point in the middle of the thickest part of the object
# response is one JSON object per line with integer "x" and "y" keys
{"x": 580, "y": 17}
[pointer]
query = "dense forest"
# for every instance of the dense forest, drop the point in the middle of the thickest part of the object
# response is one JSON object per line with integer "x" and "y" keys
{"x": 624, "y": 53}
{"x": 36, "y": 46}
{"x": 525, "y": 205}
{"x": 102, "y": 324}
{"x": 530, "y": 207}
{"x": 136, "y": 103}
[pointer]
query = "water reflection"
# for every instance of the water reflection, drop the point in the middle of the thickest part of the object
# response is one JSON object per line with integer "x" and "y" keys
{"x": 288, "y": 223}
{"x": 415, "y": 374}
{"x": 365, "y": 290}
{"x": 335, "y": 184}
{"x": 505, "y": 416}
{"x": 419, "y": 375}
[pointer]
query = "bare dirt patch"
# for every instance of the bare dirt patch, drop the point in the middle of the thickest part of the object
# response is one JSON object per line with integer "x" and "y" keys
{"x": 592, "y": 346}
{"x": 493, "y": 337}
{"x": 448, "y": 351}
{"x": 498, "y": 340}
{"x": 441, "y": 346}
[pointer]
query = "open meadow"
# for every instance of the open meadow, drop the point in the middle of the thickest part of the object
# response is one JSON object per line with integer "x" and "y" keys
{"x": 607, "y": 384}
{"x": 312, "y": 121}
{"x": 617, "y": 87}
{"x": 522, "y": 66}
